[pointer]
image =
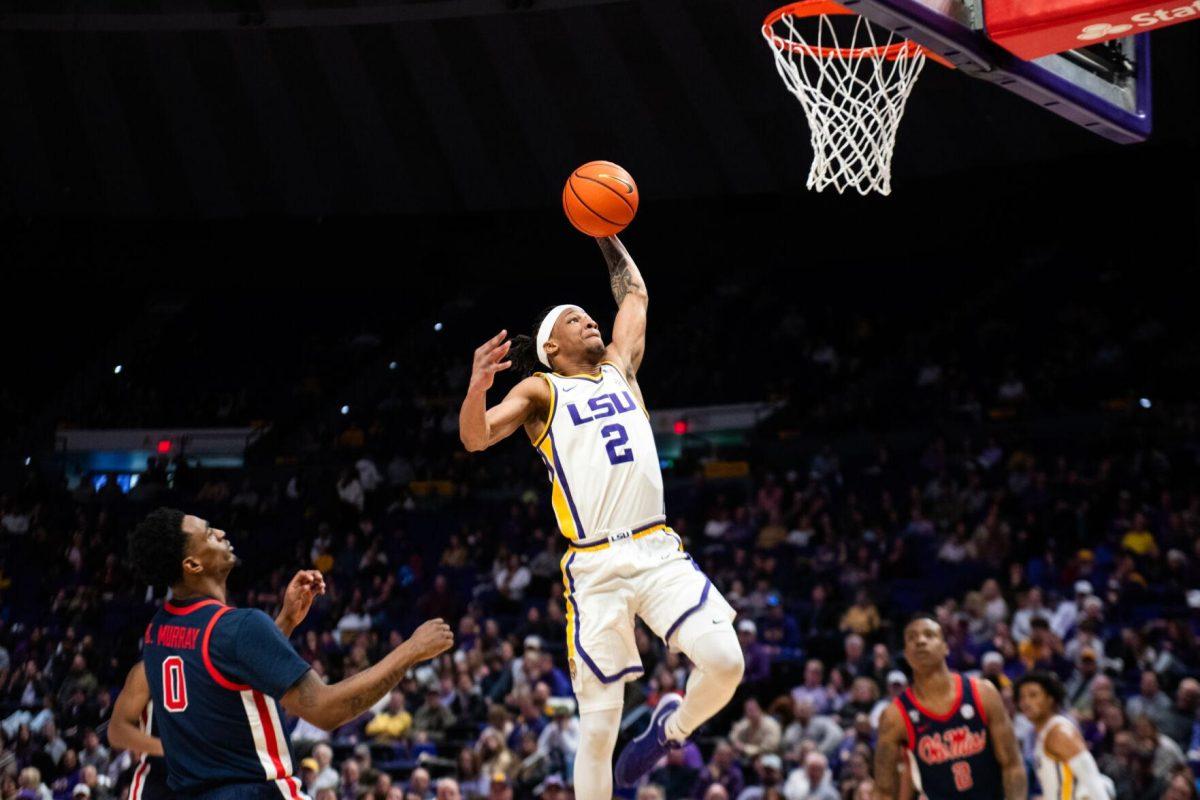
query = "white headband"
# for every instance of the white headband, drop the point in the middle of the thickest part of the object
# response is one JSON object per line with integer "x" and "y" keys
{"x": 547, "y": 326}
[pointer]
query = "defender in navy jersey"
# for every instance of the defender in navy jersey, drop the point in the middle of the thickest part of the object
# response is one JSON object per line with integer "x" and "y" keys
{"x": 952, "y": 733}
{"x": 132, "y": 724}
{"x": 220, "y": 677}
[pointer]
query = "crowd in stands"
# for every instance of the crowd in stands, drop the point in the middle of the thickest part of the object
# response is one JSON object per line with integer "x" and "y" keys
{"x": 1082, "y": 565}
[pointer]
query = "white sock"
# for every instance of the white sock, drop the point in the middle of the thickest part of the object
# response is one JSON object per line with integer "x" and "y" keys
{"x": 593, "y": 761}
{"x": 717, "y": 670}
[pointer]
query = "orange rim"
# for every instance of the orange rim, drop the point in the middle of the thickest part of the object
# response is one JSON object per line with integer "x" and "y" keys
{"x": 818, "y": 8}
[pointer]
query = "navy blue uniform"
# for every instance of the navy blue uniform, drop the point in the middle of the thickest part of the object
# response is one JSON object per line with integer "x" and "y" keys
{"x": 150, "y": 776}
{"x": 214, "y": 673}
{"x": 953, "y": 753}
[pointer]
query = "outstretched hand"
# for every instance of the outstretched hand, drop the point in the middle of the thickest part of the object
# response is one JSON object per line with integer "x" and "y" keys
{"x": 489, "y": 359}
{"x": 432, "y": 638}
{"x": 300, "y": 593}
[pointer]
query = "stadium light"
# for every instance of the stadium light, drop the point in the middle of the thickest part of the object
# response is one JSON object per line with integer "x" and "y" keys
{"x": 117, "y": 369}
{"x": 28, "y": 460}
{"x": 393, "y": 365}
{"x": 345, "y": 410}
{"x": 1144, "y": 402}
{"x": 437, "y": 326}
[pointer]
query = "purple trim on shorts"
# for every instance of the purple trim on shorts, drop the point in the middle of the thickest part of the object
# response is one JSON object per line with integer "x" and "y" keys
{"x": 579, "y": 644}
{"x": 683, "y": 617}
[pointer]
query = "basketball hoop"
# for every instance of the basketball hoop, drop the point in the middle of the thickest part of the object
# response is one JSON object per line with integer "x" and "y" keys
{"x": 853, "y": 90}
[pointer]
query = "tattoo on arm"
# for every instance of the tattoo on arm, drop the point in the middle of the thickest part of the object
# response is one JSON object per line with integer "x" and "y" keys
{"x": 888, "y": 753}
{"x": 622, "y": 274}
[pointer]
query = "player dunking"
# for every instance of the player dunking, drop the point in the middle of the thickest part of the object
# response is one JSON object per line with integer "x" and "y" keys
{"x": 586, "y": 419}
{"x": 1065, "y": 769}
{"x": 132, "y": 723}
{"x": 956, "y": 730}
{"x": 219, "y": 675}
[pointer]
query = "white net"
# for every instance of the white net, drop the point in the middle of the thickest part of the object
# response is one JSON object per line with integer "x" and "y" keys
{"x": 853, "y": 93}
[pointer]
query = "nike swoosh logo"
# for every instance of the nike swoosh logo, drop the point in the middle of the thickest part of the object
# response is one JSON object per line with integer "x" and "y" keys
{"x": 717, "y": 621}
{"x": 568, "y": 389}
{"x": 628, "y": 186}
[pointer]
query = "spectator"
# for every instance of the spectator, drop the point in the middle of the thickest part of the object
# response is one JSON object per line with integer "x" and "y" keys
{"x": 722, "y": 772}
{"x": 420, "y": 784}
{"x": 327, "y": 776}
{"x": 393, "y": 722}
{"x": 1150, "y": 701}
{"x": 308, "y": 775}
{"x": 94, "y": 753}
{"x": 552, "y": 788}
{"x": 676, "y": 778}
{"x": 864, "y": 693}
{"x": 349, "y": 786}
{"x": 862, "y": 617}
{"x": 755, "y": 732}
{"x": 821, "y": 730}
{"x": 770, "y": 776}
{"x": 1167, "y": 755}
{"x": 813, "y": 781}
{"x": 30, "y": 780}
{"x": 433, "y": 718}
{"x": 813, "y": 690}
{"x": 897, "y": 683}
{"x": 1180, "y": 722}
{"x": 1032, "y": 608}
{"x": 758, "y": 663}
{"x": 854, "y": 661}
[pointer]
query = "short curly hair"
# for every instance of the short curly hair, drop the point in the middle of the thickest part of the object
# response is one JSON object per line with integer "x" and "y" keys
{"x": 157, "y": 546}
{"x": 1049, "y": 682}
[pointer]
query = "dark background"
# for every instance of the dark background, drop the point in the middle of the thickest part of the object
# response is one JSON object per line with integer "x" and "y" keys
{"x": 386, "y": 174}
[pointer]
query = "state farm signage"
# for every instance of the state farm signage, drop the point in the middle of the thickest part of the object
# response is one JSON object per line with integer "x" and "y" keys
{"x": 1032, "y": 30}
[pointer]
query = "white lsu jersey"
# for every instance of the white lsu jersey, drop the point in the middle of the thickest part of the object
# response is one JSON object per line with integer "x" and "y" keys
{"x": 599, "y": 450}
{"x": 1058, "y": 783}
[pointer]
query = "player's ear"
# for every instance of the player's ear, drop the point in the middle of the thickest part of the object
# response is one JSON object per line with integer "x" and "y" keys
{"x": 551, "y": 348}
{"x": 192, "y": 566}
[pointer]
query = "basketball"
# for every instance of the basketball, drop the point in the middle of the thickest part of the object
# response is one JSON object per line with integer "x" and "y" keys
{"x": 600, "y": 198}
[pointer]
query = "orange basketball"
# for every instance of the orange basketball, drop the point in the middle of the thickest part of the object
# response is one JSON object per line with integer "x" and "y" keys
{"x": 600, "y": 198}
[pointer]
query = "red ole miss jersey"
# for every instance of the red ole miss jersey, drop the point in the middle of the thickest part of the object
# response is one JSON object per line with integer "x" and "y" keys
{"x": 952, "y": 751}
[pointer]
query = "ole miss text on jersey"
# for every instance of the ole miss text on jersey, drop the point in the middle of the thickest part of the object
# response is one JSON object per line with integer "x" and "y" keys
{"x": 952, "y": 751}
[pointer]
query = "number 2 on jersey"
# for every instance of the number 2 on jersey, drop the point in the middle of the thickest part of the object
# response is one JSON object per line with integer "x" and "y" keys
{"x": 174, "y": 686}
{"x": 616, "y": 454}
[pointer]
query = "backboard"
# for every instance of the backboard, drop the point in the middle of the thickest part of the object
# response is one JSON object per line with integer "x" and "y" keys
{"x": 1104, "y": 88}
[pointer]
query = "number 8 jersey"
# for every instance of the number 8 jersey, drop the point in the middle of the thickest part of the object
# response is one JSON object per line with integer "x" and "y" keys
{"x": 951, "y": 753}
{"x": 599, "y": 450}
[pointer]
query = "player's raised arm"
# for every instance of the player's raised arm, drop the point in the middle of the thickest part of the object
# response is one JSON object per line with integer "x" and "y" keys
{"x": 1004, "y": 743}
{"x": 889, "y": 754}
{"x": 629, "y": 290}
{"x": 124, "y": 729}
{"x": 480, "y": 427}
{"x": 331, "y": 706}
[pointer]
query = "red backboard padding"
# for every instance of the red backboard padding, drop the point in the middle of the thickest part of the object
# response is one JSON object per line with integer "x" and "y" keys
{"x": 1031, "y": 30}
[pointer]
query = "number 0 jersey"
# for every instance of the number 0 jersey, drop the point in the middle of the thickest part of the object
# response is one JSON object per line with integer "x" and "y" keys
{"x": 599, "y": 450}
{"x": 215, "y": 673}
{"x": 952, "y": 754}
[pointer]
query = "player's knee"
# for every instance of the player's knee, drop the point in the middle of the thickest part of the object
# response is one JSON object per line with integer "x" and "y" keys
{"x": 721, "y": 656}
{"x": 598, "y": 733}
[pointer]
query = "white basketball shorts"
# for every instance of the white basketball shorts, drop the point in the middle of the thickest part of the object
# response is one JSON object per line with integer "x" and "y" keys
{"x": 647, "y": 575}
